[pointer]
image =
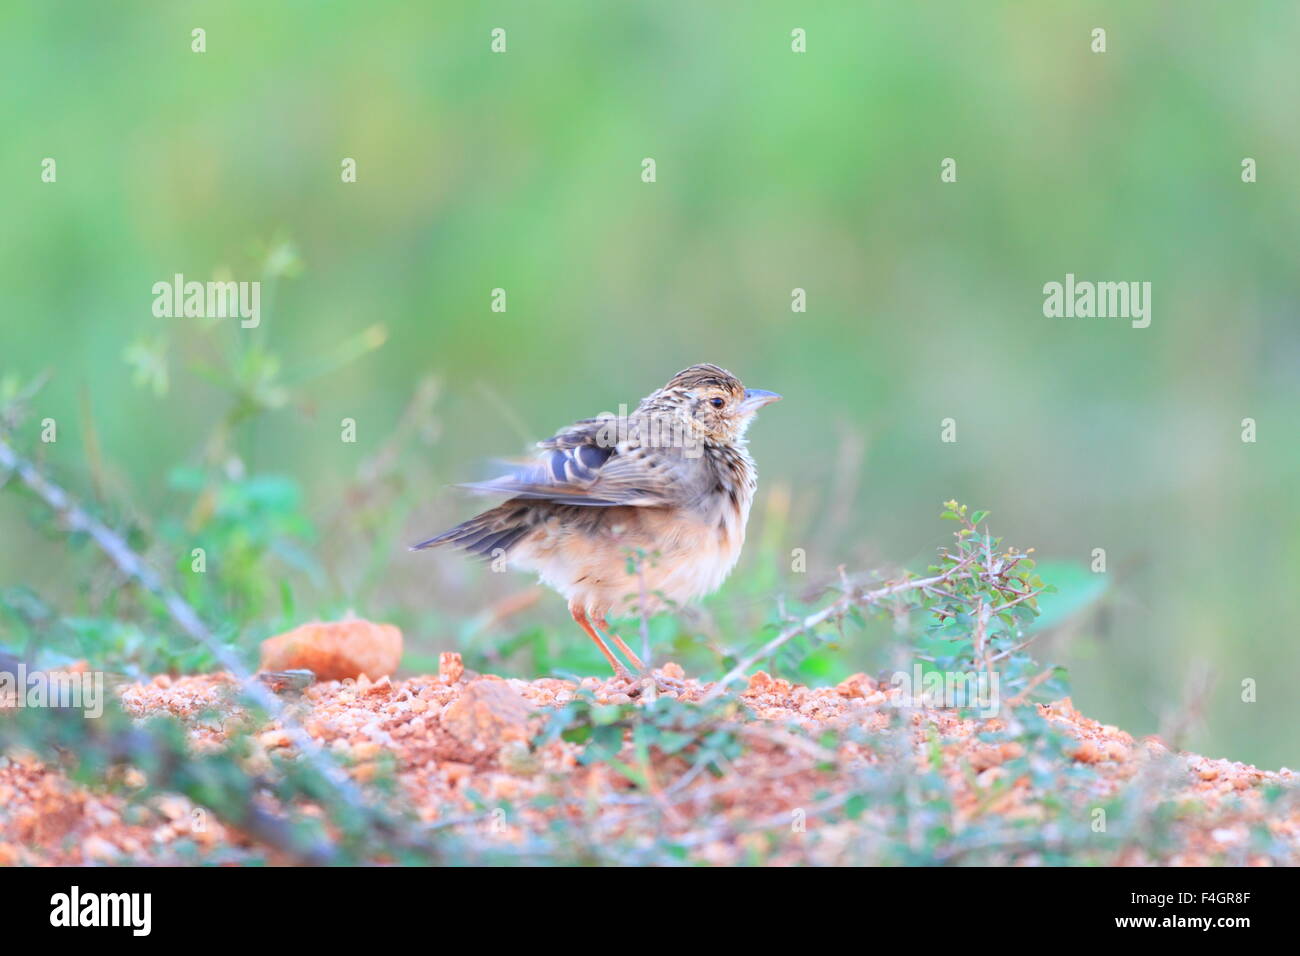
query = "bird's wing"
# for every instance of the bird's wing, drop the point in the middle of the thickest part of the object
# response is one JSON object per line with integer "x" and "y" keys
{"x": 580, "y": 465}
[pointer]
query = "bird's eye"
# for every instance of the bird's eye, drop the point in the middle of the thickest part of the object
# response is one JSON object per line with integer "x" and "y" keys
{"x": 717, "y": 402}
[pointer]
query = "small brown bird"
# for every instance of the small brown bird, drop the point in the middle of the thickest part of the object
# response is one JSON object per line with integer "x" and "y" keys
{"x": 650, "y": 504}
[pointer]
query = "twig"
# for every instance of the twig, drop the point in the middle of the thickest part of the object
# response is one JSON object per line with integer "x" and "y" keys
{"x": 1013, "y": 650}
{"x": 130, "y": 564}
{"x": 838, "y": 608}
{"x": 1039, "y": 678}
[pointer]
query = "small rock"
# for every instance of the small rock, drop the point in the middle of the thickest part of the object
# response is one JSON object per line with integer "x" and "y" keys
{"x": 366, "y": 750}
{"x": 336, "y": 650}
{"x": 450, "y": 667}
{"x": 856, "y": 685}
{"x": 1088, "y": 752}
{"x": 1225, "y": 836}
{"x": 487, "y": 714}
{"x": 1116, "y": 751}
{"x": 97, "y": 848}
{"x": 272, "y": 739}
{"x": 134, "y": 778}
{"x": 173, "y": 807}
{"x": 454, "y": 771}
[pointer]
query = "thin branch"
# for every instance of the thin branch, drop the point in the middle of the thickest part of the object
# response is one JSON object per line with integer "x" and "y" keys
{"x": 1039, "y": 678}
{"x": 1025, "y": 596}
{"x": 133, "y": 566}
{"x": 836, "y": 609}
{"x": 1014, "y": 650}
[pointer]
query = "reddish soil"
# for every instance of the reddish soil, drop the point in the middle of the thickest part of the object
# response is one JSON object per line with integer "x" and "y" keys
{"x": 453, "y": 734}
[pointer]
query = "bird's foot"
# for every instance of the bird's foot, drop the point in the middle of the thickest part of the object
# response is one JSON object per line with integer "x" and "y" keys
{"x": 644, "y": 681}
{"x": 662, "y": 683}
{"x": 645, "y": 684}
{"x": 623, "y": 681}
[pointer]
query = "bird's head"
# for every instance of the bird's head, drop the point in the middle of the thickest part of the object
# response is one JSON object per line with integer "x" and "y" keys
{"x": 713, "y": 400}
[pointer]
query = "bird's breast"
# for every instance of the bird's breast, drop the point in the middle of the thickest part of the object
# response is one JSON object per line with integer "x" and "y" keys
{"x": 609, "y": 560}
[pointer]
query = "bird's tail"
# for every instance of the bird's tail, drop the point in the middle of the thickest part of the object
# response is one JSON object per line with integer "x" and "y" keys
{"x": 489, "y": 534}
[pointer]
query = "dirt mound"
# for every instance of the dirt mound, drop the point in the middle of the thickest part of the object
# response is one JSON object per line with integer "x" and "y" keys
{"x": 461, "y": 745}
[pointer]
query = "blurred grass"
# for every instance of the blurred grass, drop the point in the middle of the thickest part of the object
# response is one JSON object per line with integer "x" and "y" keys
{"x": 774, "y": 171}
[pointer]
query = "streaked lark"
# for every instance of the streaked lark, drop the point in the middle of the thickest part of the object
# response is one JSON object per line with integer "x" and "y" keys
{"x": 623, "y": 515}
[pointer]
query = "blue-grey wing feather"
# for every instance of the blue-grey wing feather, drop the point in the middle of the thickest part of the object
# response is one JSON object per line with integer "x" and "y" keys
{"x": 577, "y": 466}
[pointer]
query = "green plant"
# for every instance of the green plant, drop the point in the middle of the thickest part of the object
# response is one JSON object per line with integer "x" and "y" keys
{"x": 704, "y": 736}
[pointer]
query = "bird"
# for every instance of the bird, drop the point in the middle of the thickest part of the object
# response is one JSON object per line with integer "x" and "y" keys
{"x": 629, "y": 513}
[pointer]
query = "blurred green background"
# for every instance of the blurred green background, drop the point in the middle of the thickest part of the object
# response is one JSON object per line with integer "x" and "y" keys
{"x": 775, "y": 171}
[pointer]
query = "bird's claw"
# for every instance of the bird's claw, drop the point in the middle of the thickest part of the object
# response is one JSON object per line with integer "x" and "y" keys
{"x": 647, "y": 683}
{"x": 661, "y": 683}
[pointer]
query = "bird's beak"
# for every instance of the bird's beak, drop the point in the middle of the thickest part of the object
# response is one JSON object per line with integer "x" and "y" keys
{"x": 756, "y": 398}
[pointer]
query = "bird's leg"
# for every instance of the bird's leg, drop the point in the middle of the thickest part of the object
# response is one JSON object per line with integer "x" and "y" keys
{"x": 661, "y": 682}
{"x": 618, "y": 642}
{"x": 580, "y": 616}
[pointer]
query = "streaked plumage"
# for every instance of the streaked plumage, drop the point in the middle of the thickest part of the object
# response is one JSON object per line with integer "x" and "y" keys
{"x": 673, "y": 482}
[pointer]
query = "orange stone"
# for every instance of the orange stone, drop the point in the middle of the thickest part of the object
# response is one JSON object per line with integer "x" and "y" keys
{"x": 336, "y": 650}
{"x": 487, "y": 714}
